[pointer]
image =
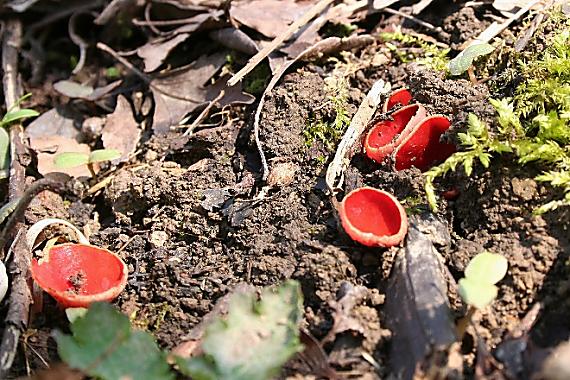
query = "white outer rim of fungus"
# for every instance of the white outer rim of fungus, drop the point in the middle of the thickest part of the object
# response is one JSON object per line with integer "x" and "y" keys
{"x": 41, "y": 225}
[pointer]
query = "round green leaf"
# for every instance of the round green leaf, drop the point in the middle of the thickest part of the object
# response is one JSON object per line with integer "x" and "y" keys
{"x": 104, "y": 155}
{"x": 487, "y": 268}
{"x": 70, "y": 159}
{"x": 464, "y": 60}
{"x": 4, "y": 149}
{"x": 477, "y": 294}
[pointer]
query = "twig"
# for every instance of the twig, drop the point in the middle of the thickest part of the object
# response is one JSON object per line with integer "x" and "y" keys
{"x": 325, "y": 46}
{"x": 412, "y": 18}
{"x": 292, "y": 29}
{"x": 495, "y": 28}
{"x": 204, "y": 113}
{"x": 77, "y": 40}
{"x": 357, "y": 126}
{"x": 142, "y": 75}
{"x": 20, "y": 296}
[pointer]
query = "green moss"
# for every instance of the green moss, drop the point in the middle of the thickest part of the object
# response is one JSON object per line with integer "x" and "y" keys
{"x": 534, "y": 124}
{"x": 256, "y": 81}
{"x": 404, "y": 47}
{"x": 330, "y": 132}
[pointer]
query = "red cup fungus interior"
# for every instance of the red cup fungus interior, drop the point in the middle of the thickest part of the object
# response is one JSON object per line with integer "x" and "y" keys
{"x": 77, "y": 274}
{"x": 411, "y": 138}
{"x": 373, "y": 217}
{"x": 401, "y": 96}
{"x": 386, "y": 134}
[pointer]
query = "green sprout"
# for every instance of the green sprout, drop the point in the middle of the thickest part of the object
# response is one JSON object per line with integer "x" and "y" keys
{"x": 477, "y": 288}
{"x": 464, "y": 61}
{"x": 74, "y": 159}
{"x": 14, "y": 114}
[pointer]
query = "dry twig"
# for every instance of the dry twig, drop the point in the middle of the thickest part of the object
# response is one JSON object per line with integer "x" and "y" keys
{"x": 357, "y": 126}
{"x": 277, "y": 41}
{"x": 323, "y": 47}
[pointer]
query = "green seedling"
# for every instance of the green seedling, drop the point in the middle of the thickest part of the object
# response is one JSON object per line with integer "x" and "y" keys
{"x": 73, "y": 159}
{"x": 104, "y": 345}
{"x": 464, "y": 61}
{"x": 477, "y": 288}
{"x": 13, "y": 115}
{"x": 253, "y": 341}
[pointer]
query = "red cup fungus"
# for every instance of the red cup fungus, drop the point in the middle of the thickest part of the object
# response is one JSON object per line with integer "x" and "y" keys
{"x": 411, "y": 138}
{"x": 77, "y": 275}
{"x": 422, "y": 147}
{"x": 401, "y": 96}
{"x": 386, "y": 135}
{"x": 373, "y": 217}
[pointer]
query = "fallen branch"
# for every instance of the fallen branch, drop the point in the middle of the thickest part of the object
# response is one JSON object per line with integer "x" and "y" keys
{"x": 277, "y": 41}
{"x": 356, "y": 128}
{"x": 20, "y": 296}
{"x": 323, "y": 47}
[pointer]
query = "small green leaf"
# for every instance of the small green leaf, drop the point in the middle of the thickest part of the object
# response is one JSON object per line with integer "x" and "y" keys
{"x": 4, "y": 149}
{"x": 17, "y": 115}
{"x": 487, "y": 267}
{"x": 73, "y": 313}
{"x": 102, "y": 155}
{"x": 104, "y": 346}
{"x": 464, "y": 60}
{"x": 70, "y": 159}
{"x": 477, "y": 294}
{"x": 255, "y": 339}
{"x": 8, "y": 208}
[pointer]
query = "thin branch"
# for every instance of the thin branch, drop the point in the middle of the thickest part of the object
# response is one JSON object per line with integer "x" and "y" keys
{"x": 204, "y": 113}
{"x": 277, "y": 41}
{"x": 142, "y": 75}
{"x": 20, "y": 296}
{"x": 412, "y": 18}
{"x": 325, "y": 46}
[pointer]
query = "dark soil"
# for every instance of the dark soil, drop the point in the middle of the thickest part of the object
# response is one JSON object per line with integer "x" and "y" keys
{"x": 192, "y": 219}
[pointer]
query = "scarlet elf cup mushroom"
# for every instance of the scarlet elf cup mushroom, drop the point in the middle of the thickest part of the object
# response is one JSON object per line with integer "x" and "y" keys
{"x": 77, "y": 274}
{"x": 410, "y": 137}
{"x": 373, "y": 217}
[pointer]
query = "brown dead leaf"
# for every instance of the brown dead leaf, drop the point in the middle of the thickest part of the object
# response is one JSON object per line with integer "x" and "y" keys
{"x": 47, "y": 147}
{"x": 344, "y": 320}
{"x": 73, "y": 89}
{"x": 269, "y": 17}
{"x": 55, "y": 122}
{"x": 121, "y": 132}
{"x": 155, "y": 52}
{"x": 184, "y": 90}
{"x": 193, "y": 5}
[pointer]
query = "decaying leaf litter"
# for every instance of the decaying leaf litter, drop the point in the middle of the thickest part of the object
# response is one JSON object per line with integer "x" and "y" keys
{"x": 221, "y": 190}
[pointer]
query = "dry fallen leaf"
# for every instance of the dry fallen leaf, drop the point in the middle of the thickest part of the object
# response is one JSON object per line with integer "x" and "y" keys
{"x": 47, "y": 147}
{"x": 155, "y": 52}
{"x": 269, "y": 17}
{"x": 55, "y": 122}
{"x": 121, "y": 132}
{"x": 184, "y": 90}
{"x": 76, "y": 90}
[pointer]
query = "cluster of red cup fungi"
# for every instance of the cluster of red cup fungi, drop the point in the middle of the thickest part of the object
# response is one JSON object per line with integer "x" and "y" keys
{"x": 409, "y": 138}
